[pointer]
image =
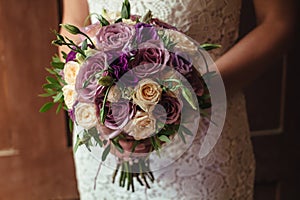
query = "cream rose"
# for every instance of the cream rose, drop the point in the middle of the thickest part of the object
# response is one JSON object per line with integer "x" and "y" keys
{"x": 85, "y": 115}
{"x": 114, "y": 94}
{"x": 69, "y": 95}
{"x": 147, "y": 93}
{"x": 70, "y": 72}
{"x": 142, "y": 126}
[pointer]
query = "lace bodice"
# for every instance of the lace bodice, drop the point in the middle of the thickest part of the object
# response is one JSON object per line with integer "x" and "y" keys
{"x": 227, "y": 172}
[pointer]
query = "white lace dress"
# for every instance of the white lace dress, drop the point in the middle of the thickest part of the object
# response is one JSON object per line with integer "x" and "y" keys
{"x": 227, "y": 172}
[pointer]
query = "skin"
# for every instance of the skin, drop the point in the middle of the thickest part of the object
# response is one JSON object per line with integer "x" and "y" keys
{"x": 247, "y": 59}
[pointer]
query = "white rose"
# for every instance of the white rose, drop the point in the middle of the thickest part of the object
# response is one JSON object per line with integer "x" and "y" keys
{"x": 85, "y": 115}
{"x": 69, "y": 95}
{"x": 142, "y": 126}
{"x": 71, "y": 69}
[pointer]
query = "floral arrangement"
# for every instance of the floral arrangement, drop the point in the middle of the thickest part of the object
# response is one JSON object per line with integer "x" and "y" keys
{"x": 126, "y": 84}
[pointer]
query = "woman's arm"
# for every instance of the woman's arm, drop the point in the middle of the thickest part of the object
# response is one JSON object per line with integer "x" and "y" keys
{"x": 75, "y": 13}
{"x": 253, "y": 53}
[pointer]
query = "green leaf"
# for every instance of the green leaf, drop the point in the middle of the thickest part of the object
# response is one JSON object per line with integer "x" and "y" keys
{"x": 51, "y": 79}
{"x": 164, "y": 138}
{"x": 103, "y": 21}
{"x": 186, "y": 131}
{"x": 147, "y": 17}
{"x": 57, "y": 97}
{"x": 51, "y": 71}
{"x": 135, "y": 143}
{"x": 77, "y": 144}
{"x": 70, "y": 125}
{"x": 118, "y": 146}
{"x": 71, "y": 28}
{"x": 105, "y": 153}
{"x": 103, "y": 110}
{"x": 46, "y": 94}
{"x": 58, "y": 108}
{"x": 52, "y": 86}
{"x": 118, "y": 20}
{"x": 182, "y": 137}
{"x": 209, "y": 47}
{"x": 46, "y": 107}
{"x": 186, "y": 93}
{"x": 64, "y": 54}
{"x": 94, "y": 133}
{"x": 84, "y": 45}
{"x": 125, "y": 12}
{"x": 105, "y": 81}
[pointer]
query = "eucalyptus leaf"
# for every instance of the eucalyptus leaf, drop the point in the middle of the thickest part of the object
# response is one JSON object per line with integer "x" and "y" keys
{"x": 105, "y": 81}
{"x": 77, "y": 144}
{"x": 118, "y": 146}
{"x": 84, "y": 45}
{"x": 164, "y": 138}
{"x": 57, "y": 97}
{"x": 182, "y": 137}
{"x": 103, "y": 21}
{"x": 46, "y": 107}
{"x": 186, "y": 130}
{"x": 105, "y": 153}
{"x": 58, "y": 108}
{"x": 103, "y": 110}
{"x": 186, "y": 93}
{"x": 209, "y": 47}
{"x": 94, "y": 133}
{"x": 125, "y": 12}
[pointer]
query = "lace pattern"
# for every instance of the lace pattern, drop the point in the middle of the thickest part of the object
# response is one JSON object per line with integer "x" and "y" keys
{"x": 227, "y": 172}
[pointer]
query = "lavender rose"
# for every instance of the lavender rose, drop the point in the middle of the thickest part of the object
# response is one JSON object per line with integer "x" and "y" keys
{"x": 172, "y": 109}
{"x": 118, "y": 113}
{"x": 150, "y": 58}
{"x": 87, "y": 79}
{"x": 145, "y": 32}
{"x": 115, "y": 37}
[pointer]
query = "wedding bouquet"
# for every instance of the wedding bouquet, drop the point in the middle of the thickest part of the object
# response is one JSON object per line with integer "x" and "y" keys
{"x": 130, "y": 84}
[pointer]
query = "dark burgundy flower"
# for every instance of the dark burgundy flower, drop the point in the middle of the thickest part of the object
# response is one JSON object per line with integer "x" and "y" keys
{"x": 196, "y": 81}
{"x": 168, "y": 109}
{"x": 180, "y": 63}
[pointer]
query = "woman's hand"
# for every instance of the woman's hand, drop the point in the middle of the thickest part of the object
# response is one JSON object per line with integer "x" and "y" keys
{"x": 75, "y": 13}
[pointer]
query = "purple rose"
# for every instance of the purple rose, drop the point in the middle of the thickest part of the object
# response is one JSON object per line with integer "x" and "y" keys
{"x": 168, "y": 109}
{"x": 118, "y": 113}
{"x": 145, "y": 32}
{"x": 150, "y": 58}
{"x": 162, "y": 24}
{"x": 179, "y": 63}
{"x": 115, "y": 37}
{"x": 87, "y": 79}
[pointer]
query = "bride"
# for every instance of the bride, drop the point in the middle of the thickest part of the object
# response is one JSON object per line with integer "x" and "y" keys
{"x": 227, "y": 172}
